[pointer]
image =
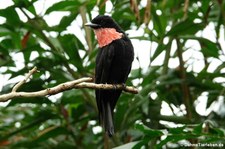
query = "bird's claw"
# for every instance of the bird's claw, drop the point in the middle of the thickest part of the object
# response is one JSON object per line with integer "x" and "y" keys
{"x": 124, "y": 85}
{"x": 114, "y": 86}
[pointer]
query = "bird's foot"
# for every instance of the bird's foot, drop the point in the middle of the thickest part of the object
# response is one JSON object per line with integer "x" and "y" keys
{"x": 124, "y": 85}
{"x": 114, "y": 86}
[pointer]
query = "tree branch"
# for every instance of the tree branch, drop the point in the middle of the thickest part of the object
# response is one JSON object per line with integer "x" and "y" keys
{"x": 75, "y": 84}
{"x": 184, "y": 85}
{"x": 129, "y": 89}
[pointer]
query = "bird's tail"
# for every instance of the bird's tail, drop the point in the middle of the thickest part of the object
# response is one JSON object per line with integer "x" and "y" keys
{"x": 108, "y": 120}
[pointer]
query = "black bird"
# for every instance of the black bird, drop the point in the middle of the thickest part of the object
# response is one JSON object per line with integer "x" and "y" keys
{"x": 113, "y": 65}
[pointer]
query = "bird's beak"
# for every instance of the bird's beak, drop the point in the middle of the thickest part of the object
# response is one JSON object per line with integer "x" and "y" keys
{"x": 92, "y": 25}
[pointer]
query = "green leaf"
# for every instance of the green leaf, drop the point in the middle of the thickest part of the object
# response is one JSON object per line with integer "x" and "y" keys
{"x": 4, "y": 31}
{"x": 26, "y": 4}
{"x": 174, "y": 138}
{"x": 198, "y": 129}
{"x": 64, "y": 6}
{"x": 35, "y": 100}
{"x": 51, "y": 132}
{"x": 177, "y": 130}
{"x": 205, "y": 6}
{"x": 127, "y": 146}
{"x": 160, "y": 48}
{"x": 140, "y": 144}
{"x": 186, "y": 27}
{"x": 209, "y": 48}
{"x": 72, "y": 49}
{"x": 150, "y": 133}
{"x": 11, "y": 16}
{"x": 159, "y": 22}
{"x": 65, "y": 22}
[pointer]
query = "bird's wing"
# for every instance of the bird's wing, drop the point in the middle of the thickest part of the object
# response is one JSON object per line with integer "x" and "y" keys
{"x": 103, "y": 64}
{"x": 108, "y": 54}
{"x": 102, "y": 71}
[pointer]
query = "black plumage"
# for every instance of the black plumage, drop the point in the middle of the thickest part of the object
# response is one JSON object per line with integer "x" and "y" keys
{"x": 113, "y": 65}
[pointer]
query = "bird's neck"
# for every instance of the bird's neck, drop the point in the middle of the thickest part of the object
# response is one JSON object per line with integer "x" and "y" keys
{"x": 106, "y": 35}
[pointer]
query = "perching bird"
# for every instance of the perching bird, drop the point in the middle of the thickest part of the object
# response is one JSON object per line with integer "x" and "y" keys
{"x": 113, "y": 65}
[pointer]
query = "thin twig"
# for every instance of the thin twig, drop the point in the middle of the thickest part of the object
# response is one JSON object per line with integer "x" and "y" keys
{"x": 186, "y": 5}
{"x": 147, "y": 15}
{"x": 18, "y": 85}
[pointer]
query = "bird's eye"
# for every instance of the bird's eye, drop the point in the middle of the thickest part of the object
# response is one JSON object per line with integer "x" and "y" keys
{"x": 101, "y": 22}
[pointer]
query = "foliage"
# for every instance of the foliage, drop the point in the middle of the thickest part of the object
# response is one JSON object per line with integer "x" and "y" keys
{"x": 70, "y": 119}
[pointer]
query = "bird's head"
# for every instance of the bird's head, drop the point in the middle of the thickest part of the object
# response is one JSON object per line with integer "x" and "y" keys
{"x": 104, "y": 21}
{"x": 106, "y": 30}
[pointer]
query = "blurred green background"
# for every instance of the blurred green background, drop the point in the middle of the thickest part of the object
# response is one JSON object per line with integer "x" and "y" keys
{"x": 179, "y": 69}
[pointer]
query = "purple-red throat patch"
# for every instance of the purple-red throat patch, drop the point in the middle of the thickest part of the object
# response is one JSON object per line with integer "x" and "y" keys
{"x": 106, "y": 35}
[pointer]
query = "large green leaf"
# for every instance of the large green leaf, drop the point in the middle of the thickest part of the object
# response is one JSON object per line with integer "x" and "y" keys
{"x": 186, "y": 27}
{"x": 68, "y": 5}
{"x": 65, "y": 22}
{"x": 12, "y": 18}
{"x": 72, "y": 49}
{"x": 127, "y": 146}
{"x": 150, "y": 133}
{"x": 209, "y": 48}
